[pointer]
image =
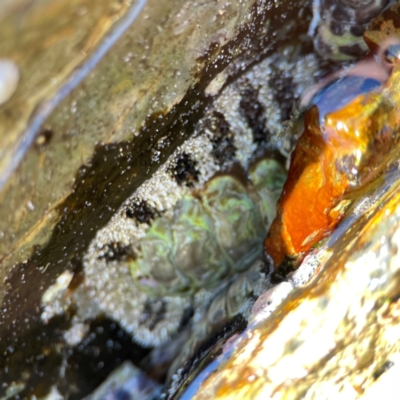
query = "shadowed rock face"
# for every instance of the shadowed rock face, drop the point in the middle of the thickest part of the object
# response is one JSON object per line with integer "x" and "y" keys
{"x": 107, "y": 94}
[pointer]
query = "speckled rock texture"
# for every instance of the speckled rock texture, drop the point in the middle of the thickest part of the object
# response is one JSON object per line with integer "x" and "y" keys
{"x": 141, "y": 157}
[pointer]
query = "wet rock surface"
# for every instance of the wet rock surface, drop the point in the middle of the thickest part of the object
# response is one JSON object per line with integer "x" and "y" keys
{"x": 331, "y": 328}
{"x": 99, "y": 150}
{"x": 337, "y": 336}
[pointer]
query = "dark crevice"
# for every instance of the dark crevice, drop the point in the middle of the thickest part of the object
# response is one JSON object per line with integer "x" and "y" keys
{"x": 382, "y": 369}
{"x": 206, "y": 353}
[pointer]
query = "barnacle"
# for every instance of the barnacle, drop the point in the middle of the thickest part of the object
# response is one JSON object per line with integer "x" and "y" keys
{"x": 294, "y": 125}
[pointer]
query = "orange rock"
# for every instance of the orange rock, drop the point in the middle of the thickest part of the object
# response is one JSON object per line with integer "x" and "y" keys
{"x": 337, "y": 153}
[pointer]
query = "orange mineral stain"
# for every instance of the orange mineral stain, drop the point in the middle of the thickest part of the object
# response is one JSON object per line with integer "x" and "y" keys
{"x": 337, "y": 153}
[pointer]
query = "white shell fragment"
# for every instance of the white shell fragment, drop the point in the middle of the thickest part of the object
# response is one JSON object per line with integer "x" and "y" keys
{"x": 9, "y": 77}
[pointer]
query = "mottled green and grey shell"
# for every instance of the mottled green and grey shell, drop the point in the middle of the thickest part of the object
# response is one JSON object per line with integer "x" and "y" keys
{"x": 209, "y": 236}
{"x": 191, "y": 254}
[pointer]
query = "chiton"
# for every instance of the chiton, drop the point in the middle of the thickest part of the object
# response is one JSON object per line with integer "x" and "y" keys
{"x": 197, "y": 225}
